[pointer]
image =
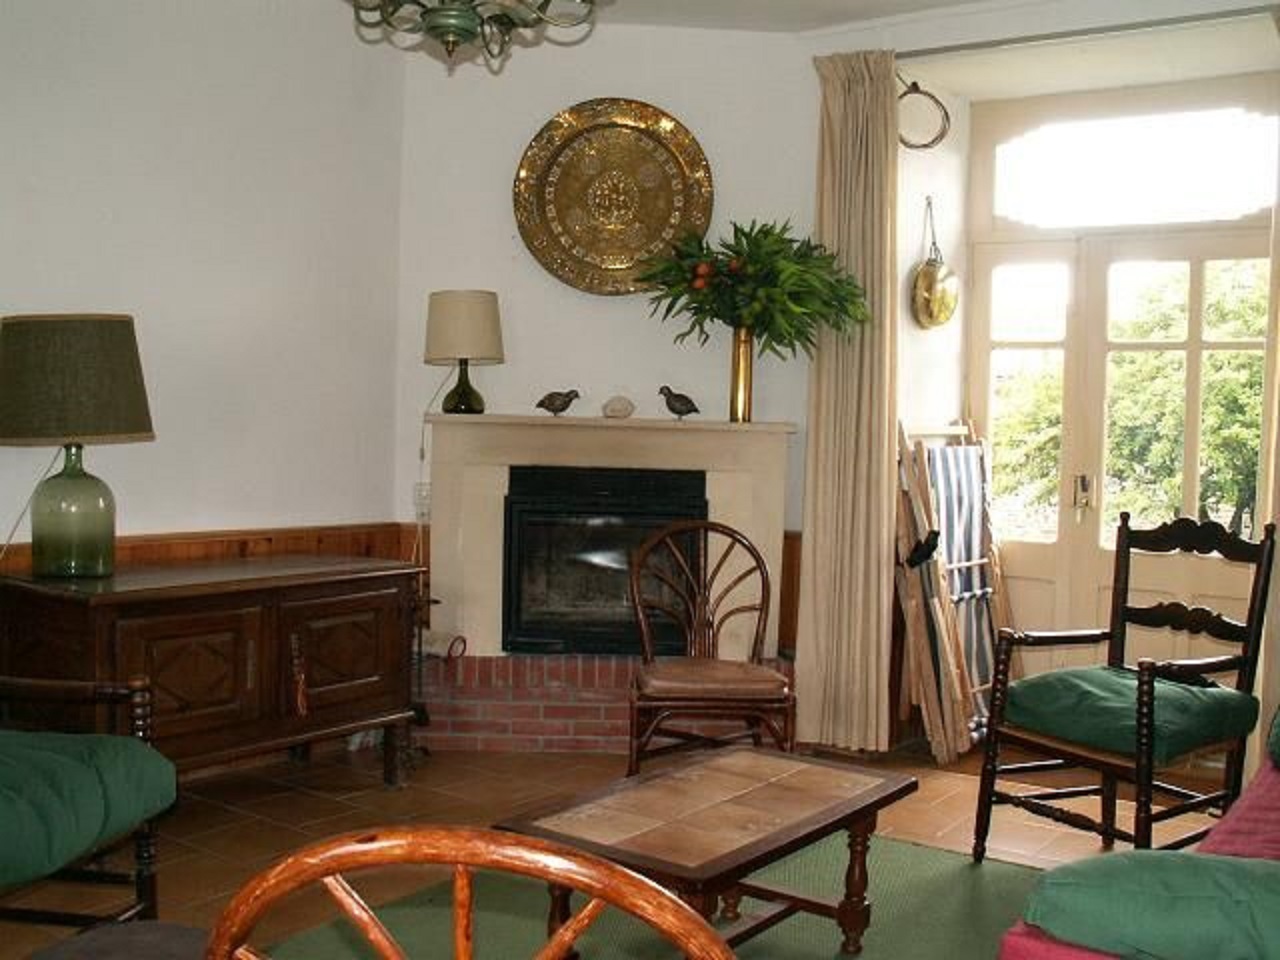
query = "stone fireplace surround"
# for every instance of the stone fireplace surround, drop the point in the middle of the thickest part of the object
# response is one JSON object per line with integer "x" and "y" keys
{"x": 490, "y": 700}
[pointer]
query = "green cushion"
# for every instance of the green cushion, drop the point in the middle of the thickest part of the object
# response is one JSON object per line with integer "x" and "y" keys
{"x": 1097, "y": 707}
{"x": 1159, "y": 903}
{"x": 62, "y": 795}
{"x": 1273, "y": 742}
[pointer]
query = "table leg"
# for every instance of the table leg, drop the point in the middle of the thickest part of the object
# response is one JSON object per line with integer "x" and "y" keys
{"x": 730, "y": 901}
{"x": 394, "y": 738}
{"x": 703, "y": 902}
{"x": 853, "y": 913}
{"x": 559, "y": 912}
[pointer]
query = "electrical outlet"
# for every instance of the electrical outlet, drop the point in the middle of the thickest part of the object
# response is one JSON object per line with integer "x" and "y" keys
{"x": 422, "y": 500}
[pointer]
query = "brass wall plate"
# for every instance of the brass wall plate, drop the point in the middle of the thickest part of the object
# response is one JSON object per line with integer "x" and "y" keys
{"x": 607, "y": 185}
{"x": 935, "y": 292}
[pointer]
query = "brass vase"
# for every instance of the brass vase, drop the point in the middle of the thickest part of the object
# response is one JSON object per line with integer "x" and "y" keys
{"x": 740, "y": 376}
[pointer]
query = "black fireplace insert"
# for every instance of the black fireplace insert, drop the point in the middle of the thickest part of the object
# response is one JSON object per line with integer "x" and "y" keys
{"x": 570, "y": 532}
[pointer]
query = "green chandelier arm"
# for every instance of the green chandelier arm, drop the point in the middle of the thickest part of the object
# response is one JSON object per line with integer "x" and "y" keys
{"x": 523, "y": 13}
{"x": 391, "y": 13}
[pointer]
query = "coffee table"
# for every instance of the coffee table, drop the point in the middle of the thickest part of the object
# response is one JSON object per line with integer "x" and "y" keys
{"x": 702, "y": 828}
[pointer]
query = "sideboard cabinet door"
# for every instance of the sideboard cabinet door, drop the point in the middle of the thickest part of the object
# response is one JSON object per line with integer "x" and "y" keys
{"x": 343, "y": 655}
{"x": 205, "y": 670}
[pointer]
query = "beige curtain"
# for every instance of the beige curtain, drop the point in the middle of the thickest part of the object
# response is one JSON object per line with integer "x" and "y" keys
{"x": 846, "y": 585}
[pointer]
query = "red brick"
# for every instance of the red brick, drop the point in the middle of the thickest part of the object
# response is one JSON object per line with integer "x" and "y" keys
{"x": 617, "y": 712}
{"x": 600, "y": 728}
{"x": 502, "y": 672}
{"x": 512, "y": 711}
{"x": 570, "y": 712}
{"x": 479, "y": 726}
{"x": 605, "y": 696}
{"x": 545, "y": 728}
{"x": 553, "y": 670}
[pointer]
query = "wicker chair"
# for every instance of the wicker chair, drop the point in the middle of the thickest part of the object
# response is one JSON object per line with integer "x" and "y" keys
{"x": 697, "y": 578}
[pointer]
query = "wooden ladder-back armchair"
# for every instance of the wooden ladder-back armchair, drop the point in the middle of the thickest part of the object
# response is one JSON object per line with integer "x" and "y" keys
{"x": 468, "y": 849}
{"x": 708, "y": 583}
{"x": 66, "y": 798}
{"x": 1126, "y": 722}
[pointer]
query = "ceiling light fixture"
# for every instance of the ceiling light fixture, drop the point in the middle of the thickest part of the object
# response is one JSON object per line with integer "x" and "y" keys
{"x": 456, "y": 23}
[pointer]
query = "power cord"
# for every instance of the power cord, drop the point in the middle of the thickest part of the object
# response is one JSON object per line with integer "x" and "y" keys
{"x": 13, "y": 531}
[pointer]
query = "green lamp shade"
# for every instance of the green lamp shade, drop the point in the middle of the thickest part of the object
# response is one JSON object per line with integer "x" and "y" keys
{"x": 72, "y": 379}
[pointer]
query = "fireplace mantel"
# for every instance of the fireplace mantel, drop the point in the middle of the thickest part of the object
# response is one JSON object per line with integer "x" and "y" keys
{"x": 745, "y": 465}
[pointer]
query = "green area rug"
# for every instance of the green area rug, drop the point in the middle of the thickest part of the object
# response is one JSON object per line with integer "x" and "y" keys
{"x": 926, "y": 904}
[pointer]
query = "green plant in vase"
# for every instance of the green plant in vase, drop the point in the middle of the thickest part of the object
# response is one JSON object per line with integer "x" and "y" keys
{"x": 770, "y": 288}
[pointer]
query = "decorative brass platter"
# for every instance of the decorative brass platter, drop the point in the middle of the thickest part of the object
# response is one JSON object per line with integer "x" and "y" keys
{"x": 606, "y": 185}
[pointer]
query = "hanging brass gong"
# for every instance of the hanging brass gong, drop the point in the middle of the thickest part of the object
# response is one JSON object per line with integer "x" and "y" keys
{"x": 935, "y": 291}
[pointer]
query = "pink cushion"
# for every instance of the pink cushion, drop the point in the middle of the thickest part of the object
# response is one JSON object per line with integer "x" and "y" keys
{"x": 1251, "y": 827}
{"x": 1025, "y": 942}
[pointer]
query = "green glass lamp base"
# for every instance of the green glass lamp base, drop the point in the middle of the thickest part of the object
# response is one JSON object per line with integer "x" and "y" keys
{"x": 463, "y": 398}
{"x": 73, "y": 523}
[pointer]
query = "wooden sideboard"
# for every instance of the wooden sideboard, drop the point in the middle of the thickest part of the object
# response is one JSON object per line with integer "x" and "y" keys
{"x": 244, "y": 656}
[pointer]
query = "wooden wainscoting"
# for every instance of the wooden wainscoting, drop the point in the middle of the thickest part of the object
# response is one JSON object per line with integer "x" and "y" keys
{"x": 390, "y": 541}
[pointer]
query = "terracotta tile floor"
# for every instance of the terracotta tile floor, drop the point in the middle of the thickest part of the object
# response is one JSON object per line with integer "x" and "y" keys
{"x": 227, "y": 827}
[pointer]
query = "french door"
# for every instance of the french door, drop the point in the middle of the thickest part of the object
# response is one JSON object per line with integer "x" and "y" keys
{"x": 1119, "y": 372}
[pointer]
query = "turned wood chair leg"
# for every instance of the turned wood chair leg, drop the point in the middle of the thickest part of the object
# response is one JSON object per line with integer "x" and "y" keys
{"x": 991, "y": 754}
{"x": 1108, "y": 811}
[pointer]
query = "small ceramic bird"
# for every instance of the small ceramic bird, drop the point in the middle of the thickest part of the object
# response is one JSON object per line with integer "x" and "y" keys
{"x": 557, "y": 401}
{"x": 678, "y": 403}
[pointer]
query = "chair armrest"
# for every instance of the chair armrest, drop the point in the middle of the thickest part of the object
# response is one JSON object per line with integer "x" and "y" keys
{"x": 70, "y": 691}
{"x": 1195, "y": 670}
{"x": 1053, "y": 638}
{"x": 135, "y": 692}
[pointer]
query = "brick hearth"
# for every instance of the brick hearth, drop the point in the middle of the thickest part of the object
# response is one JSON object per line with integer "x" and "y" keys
{"x": 545, "y": 703}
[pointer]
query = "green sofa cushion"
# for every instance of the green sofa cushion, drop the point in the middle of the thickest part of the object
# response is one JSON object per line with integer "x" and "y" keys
{"x": 62, "y": 795}
{"x": 1097, "y": 707}
{"x": 1163, "y": 904}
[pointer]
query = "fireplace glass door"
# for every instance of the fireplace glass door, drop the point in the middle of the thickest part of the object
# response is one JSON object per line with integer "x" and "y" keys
{"x": 570, "y": 534}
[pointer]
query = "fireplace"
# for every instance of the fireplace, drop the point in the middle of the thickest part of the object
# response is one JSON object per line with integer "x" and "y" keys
{"x": 569, "y": 534}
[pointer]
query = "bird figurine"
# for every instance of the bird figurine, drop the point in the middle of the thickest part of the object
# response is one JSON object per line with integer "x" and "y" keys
{"x": 678, "y": 403}
{"x": 557, "y": 401}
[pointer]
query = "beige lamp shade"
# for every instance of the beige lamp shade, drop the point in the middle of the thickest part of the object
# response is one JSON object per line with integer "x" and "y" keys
{"x": 71, "y": 378}
{"x": 463, "y": 325}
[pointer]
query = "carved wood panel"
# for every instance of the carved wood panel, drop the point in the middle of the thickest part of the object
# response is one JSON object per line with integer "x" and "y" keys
{"x": 204, "y": 667}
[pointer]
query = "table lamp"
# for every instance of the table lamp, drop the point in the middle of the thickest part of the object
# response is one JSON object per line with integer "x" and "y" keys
{"x": 71, "y": 379}
{"x": 463, "y": 328}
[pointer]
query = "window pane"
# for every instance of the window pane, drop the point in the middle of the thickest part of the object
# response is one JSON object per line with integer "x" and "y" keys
{"x": 1235, "y": 298}
{"x": 1029, "y": 301}
{"x": 1135, "y": 170}
{"x": 1147, "y": 300}
{"x": 1231, "y": 431}
{"x": 1026, "y": 443}
{"x": 1146, "y": 413}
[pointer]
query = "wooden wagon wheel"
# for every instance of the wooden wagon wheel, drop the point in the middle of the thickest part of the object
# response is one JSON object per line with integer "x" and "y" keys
{"x": 467, "y": 849}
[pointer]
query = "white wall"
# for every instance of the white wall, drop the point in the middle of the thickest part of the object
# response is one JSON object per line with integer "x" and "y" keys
{"x": 242, "y": 179}
{"x": 750, "y": 99}
{"x": 228, "y": 173}
{"x": 931, "y": 362}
